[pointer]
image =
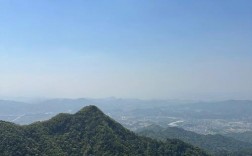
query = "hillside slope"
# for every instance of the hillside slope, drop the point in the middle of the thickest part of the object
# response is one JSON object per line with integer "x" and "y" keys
{"x": 214, "y": 144}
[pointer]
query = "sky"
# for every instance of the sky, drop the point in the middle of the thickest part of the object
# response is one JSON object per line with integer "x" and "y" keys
{"x": 148, "y": 49}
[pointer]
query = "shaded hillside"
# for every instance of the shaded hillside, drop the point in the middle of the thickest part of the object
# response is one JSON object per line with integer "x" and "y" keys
{"x": 215, "y": 144}
{"x": 245, "y": 136}
{"x": 88, "y": 132}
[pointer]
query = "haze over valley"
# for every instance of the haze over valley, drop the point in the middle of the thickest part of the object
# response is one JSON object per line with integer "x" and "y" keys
{"x": 201, "y": 117}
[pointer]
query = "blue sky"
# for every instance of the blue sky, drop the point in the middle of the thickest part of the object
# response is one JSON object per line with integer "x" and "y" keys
{"x": 187, "y": 49}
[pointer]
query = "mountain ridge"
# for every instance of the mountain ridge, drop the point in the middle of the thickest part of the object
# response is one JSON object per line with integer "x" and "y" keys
{"x": 87, "y": 132}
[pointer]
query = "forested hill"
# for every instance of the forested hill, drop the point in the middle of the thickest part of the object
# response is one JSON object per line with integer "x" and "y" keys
{"x": 214, "y": 144}
{"x": 88, "y": 132}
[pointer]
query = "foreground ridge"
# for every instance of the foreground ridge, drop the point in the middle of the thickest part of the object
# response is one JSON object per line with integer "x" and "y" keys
{"x": 87, "y": 132}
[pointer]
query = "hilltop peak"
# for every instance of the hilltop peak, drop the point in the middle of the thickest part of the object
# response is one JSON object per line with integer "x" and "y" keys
{"x": 89, "y": 109}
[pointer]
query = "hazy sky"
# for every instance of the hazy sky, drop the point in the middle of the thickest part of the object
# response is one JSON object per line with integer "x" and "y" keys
{"x": 184, "y": 49}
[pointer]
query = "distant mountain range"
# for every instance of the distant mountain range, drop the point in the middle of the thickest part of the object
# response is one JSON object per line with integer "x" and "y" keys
{"x": 221, "y": 117}
{"x": 214, "y": 144}
{"x": 232, "y": 109}
{"x": 87, "y": 132}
